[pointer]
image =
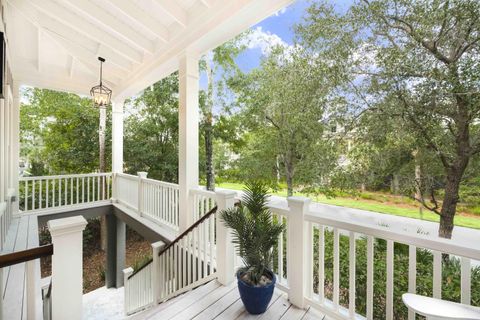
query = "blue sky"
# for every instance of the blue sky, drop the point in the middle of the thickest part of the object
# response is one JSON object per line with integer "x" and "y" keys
{"x": 276, "y": 29}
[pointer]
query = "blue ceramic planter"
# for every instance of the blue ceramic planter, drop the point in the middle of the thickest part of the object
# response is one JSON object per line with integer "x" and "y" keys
{"x": 255, "y": 299}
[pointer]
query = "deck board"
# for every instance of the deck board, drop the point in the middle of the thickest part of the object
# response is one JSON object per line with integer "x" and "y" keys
{"x": 22, "y": 234}
{"x": 214, "y": 301}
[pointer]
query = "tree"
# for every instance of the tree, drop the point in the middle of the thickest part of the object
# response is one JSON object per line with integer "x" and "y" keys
{"x": 420, "y": 56}
{"x": 151, "y": 131}
{"x": 285, "y": 102}
{"x": 219, "y": 59}
{"x": 54, "y": 130}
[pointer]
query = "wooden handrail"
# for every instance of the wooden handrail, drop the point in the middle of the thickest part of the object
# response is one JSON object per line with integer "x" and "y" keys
{"x": 193, "y": 226}
{"x": 177, "y": 239}
{"x": 10, "y": 259}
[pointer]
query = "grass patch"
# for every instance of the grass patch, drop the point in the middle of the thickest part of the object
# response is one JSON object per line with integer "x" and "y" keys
{"x": 368, "y": 203}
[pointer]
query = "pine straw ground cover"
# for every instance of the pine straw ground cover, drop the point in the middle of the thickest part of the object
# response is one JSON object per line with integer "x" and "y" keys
{"x": 94, "y": 259}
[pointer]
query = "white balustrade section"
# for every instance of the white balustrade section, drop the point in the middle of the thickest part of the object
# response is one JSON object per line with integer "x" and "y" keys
{"x": 126, "y": 190}
{"x": 203, "y": 201}
{"x": 159, "y": 201}
{"x": 138, "y": 289}
{"x": 47, "y": 192}
{"x": 190, "y": 261}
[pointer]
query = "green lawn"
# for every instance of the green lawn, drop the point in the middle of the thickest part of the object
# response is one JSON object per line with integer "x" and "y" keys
{"x": 464, "y": 221}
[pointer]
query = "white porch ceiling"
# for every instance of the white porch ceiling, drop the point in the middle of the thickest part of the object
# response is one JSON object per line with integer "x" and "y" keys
{"x": 55, "y": 43}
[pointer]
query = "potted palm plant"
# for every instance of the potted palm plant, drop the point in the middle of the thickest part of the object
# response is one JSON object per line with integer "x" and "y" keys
{"x": 254, "y": 235}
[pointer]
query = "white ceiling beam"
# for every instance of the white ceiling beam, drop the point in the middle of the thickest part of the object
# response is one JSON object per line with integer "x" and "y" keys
{"x": 44, "y": 22}
{"x": 87, "y": 58}
{"x": 79, "y": 52}
{"x": 113, "y": 24}
{"x": 129, "y": 8}
{"x": 71, "y": 66}
{"x": 39, "y": 53}
{"x": 176, "y": 12}
{"x": 84, "y": 27}
{"x": 207, "y": 3}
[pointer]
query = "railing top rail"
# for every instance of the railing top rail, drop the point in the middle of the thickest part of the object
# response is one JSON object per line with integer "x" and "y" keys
{"x": 127, "y": 176}
{"x": 193, "y": 226}
{"x": 10, "y": 259}
{"x": 82, "y": 175}
{"x": 161, "y": 183}
{"x": 141, "y": 268}
{"x": 418, "y": 240}
{"x": 203, "y": 192}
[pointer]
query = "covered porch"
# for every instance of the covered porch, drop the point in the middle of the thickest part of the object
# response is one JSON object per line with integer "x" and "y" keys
{"x": 55, "y": 45}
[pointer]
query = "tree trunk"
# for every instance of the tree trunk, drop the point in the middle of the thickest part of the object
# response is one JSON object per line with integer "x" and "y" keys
{"x": 289, "y": 177}
{"x": 449, "y": 206}
{"x": 102, "y": 168}
{"x": 208, "y": 125}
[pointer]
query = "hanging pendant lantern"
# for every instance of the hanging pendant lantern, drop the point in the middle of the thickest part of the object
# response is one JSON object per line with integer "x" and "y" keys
{"x": 101, "y": 94}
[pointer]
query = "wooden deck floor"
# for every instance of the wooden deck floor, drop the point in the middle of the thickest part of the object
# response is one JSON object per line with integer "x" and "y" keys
{"x": 214, "y": 301}
{"x": 22, "y": 234}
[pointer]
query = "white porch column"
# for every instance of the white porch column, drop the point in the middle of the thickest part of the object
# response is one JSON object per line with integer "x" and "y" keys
{"x": 297, "y": 269}
{"x": 3, "y": 177}
{"x": 15, "y": 143}
{"x": 117, "y": 137}
{"x": 67, "y": 267}
{"x": 188, "y": 116}
{"x": 225, "y": 250}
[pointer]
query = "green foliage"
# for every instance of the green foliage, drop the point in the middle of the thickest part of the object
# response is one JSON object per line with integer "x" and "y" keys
{"x": 151, "y": 131}
{"x": 450, "y": 275}
{"x": 59, "y": 133}
{"x": 254, "y": 232}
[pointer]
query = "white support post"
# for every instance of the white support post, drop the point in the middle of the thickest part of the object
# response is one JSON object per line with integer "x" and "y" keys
{"x": 117, "y": 137}
{"x": 156, "y": 279}
{"x": 296, "y": 248}
{"x": 15, "y": 142}
{"x": 126, "y": 273}
{"x": 188, "y": 117}
{"x": 141, "y": 175}
{"x": 32, "y": 289}
{"x": 67, "y": 267}
{"x": 225, "y": 251}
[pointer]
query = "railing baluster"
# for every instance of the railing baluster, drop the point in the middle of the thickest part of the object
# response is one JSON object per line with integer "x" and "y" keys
{"x": 412, "y": 275}
{"x": 280, "y": 251}
{"x": 389, "y": 302}
{"x": 336, "y": 268}
{"x": 77, "y": 192}
{"x": 71, "y": 191}
{"x": 40, "y": 198}
{"x": 437, "y": 275}
{"x": 370, "y": 275}
{"x": 53, "y": 193}
{"x": 47, "y": 193}
{"x": 351, "y": 283}
{"x": 33, "y": 194}
{"x": 66, "y": 191}
{"x": 466, "y": 280}
{"x": 321, "y": 263}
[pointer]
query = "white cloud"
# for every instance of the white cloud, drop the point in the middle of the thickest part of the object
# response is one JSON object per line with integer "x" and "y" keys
{"x": 280, "y": 12}
{"x": 265, "y": 41}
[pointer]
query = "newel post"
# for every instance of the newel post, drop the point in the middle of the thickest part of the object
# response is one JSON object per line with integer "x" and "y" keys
{"x": 126, "y": 300}
{"x": 141, "y": 175}
{"x": 225, "y": 251}
{"x": 297, "y": 240}
{"x": 157, "y": 280}
{"x": 67, "y": 267}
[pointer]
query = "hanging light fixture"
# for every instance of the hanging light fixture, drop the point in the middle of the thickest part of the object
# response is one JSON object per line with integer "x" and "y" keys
{"x": 101, "y": 94}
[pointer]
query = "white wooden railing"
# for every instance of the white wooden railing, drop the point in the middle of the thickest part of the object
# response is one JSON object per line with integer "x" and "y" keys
{"x": 203, "y": 202}
{"x": 159, "y": 201}
{"x": 152, "y": 199}
{"x": 187, "y": 262}
{"x": 47, "y": 192}
{"x": 306, "y": 269}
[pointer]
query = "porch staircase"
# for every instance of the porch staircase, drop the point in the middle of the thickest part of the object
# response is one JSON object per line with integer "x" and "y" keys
{"x": 187, "y": 262}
